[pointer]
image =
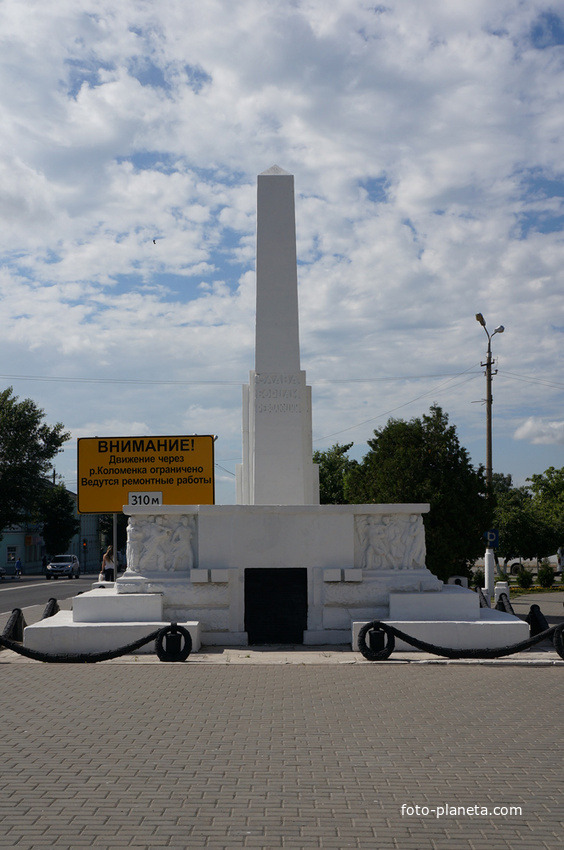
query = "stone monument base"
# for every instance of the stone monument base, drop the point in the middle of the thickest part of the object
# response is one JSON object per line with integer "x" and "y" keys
{"x": 452, "y": 618}
{"x": 276, "y": 573}
{"x": 242, "y": 575}
{"x": 102, "y": 620}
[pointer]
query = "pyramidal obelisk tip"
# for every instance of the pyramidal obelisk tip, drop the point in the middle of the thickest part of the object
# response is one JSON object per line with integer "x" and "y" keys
{"x": 275, "y": 170}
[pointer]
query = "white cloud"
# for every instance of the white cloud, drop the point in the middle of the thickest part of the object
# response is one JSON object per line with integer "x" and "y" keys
{"x": 540, "y": 432}
{"x": 426, "y": 143}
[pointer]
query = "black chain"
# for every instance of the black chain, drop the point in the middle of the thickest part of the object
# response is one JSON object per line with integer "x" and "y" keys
{"x": 93, "y": 657}
{"x": 392, "y": 632}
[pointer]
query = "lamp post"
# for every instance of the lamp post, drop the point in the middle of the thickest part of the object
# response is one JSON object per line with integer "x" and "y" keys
{"x": 489, "y": 398}
{"x": 489, "y": 559}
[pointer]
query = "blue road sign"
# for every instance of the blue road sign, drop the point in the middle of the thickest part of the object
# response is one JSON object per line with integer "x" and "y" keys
{"x": 492, "y": 538}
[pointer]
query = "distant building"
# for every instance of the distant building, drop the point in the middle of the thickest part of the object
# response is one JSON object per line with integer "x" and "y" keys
{"x": 25, "y": 542}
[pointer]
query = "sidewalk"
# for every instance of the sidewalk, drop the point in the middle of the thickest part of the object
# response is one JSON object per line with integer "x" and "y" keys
{"x": 284, "y": 747}
{"x": 269, "y": 655}
{"x": 300, "y": 756}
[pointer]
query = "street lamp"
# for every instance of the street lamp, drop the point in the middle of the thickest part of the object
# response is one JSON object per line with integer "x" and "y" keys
{"x": 489, "y": 559}
{"x": 489, "y": 398}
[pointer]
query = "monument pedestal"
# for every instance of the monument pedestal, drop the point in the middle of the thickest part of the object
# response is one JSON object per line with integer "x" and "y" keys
{"x": 247, "y": 566}
{"x": 103, "y": 620}
{"x": 452, "y": 618}
{"x": 240, "y": 574}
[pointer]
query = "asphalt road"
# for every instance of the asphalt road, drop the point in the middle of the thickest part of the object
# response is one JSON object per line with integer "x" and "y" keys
{"x": 36, "y": 590}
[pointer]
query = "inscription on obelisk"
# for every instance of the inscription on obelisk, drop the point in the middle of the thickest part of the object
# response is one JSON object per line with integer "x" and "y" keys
{"x": 277, "y": 468}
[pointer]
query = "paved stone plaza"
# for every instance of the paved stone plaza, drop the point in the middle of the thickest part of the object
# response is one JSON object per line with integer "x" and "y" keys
{"x": 292, "y": 755}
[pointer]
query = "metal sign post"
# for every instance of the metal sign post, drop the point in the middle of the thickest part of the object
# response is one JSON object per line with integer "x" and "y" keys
{"x": 115, "y": 547}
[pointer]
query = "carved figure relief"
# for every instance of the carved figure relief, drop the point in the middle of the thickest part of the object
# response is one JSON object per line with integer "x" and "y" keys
{"x": 391, "y": 542}
{"x": 182, "y": 557}
{"x": 160, "y": 544}
{"x": 134, "y": 545}
{"x": 373, "y": 542}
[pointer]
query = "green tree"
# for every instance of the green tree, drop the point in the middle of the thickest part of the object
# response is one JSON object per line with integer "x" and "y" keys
{"x": 529, "y": 519}
{"x": 27, "y": 447}
{"x": 501, "y": 483}
{"x": 334, "y": 467}
{"x": 514, "y": 517}
{"x": 57, "y": 511}
{"x": 423, "y": 461}
{"x": 548, "y": 496}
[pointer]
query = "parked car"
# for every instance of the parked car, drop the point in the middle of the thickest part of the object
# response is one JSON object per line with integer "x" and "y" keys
{"x": 2, "y": 573}
{"x": 63, "y": 565}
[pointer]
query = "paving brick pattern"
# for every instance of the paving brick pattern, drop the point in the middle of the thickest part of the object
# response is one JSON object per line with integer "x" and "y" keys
{"x": 279, "y": 756}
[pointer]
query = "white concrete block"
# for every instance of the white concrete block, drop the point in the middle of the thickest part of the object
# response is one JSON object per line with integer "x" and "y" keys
{"x": 353, "y": 575}
{"x": 461, "y": 581}
{"x": 105, "y": 605}
{"x": 332, "y": 575}
{"x": 501, "y": 587}
{"x": 494, "y": 630}
{"x": 60, "y": 634}
{"x": 451, "y": 603}
{"x": 199, "y": 576}
{"x": 219, "y": 576}
{"x": 132, "y": 584}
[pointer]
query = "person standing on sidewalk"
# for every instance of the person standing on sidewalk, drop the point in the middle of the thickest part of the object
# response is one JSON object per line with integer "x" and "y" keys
{"x": 108, "y": 564}
{"x": 19, "y": 568}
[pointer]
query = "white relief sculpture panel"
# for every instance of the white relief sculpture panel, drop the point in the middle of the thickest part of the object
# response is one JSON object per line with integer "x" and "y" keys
{"x": 162, "y": 544}
{"x": 390, "y": 542}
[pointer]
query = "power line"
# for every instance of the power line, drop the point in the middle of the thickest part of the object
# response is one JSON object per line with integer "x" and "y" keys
{"x": 389, "y": 378}
{"x": 527, "y": 379}
{"x": 405, "y": 404}
{"x": 451, "y": 377}
{"x": 524, "y": 378}
{"x": 219, "y": 466}
{"x": 213, "y": 382}
{"x": 160, "y": 381}
{"x": 112, "y": 380}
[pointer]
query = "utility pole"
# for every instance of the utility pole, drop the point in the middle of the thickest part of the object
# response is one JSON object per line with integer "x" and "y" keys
{"x": 489, "y": 397}
{"x": 489, "y": 401}
{"x": 489, "y": 558}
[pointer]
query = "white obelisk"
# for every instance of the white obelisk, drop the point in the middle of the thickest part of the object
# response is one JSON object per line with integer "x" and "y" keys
{"x": 277, "y": 466}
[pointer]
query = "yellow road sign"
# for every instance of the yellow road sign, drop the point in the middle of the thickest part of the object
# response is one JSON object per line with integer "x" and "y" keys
{"x": 118, "y": 471}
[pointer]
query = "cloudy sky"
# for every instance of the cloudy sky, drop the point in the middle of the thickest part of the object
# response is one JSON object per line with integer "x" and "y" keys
{"x": 426, "y": 140}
